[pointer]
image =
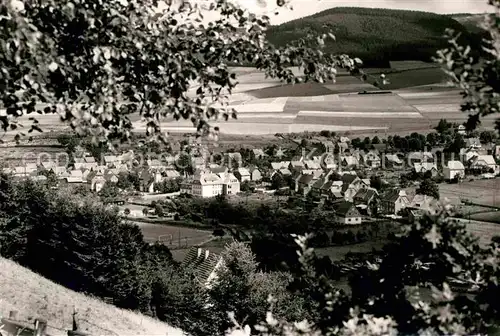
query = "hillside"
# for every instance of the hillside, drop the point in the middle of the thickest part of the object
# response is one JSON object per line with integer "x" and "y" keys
{"x": 470, "y": 21}
{"x": 375, "y": 35}
{"x": 34, "y": 296}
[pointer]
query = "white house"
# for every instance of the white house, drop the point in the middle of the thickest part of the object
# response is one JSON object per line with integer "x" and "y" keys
{"x": 485, "y": 161}
{"x": 346, "y": 213}
{"x": 230, "y": 184}
{"x": 393, "y": 201}
{"x": 424, "y": 167}
{"x": 453, "y": 169}
{"x": 461, "y": 130}
{"x": 210, "y": 185}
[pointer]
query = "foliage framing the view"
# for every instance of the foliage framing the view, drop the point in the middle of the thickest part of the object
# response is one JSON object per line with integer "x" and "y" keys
{"x": 478, "y": 77}
{"x": 97, "y": 62}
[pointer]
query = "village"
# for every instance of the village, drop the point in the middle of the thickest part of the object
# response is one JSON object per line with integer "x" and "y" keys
{"x": 360, "y": 179}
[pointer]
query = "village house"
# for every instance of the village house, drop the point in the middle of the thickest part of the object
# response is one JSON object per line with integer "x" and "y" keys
{"x": 170, "y": 174}
{"x": 420, "y": 157}
{"x": 486, "y": 162}
{"x": 393, "y": 201}
{"x": 280, "y": 165}
{"x": 97, "y": 181}
{"x": 496, "y": 152}
{"x": 461, "y": 130}
{"x": 328, "y": 162}
{"x": 346, "y": 213}
{"x": 110, "y": 176}
{"x": 317, "y": 185}
{"x": 423, "y": 202}
{"x": 218, "y": 169}
{"x": 392, "y": 161}
{"x": 111, "y": 160}
{"x": 454, "y": 169}
{"x": 424, "y": 167}
{"x": 344, "y": 139}
{"x": 230, "y": 184}
{"x": 473, "y": 143}
{"x": 89, "y": 162}
{"x": 332, "y": 190}
{"x": 255, "y": 174}
{"x": 243, "y": 174}
{"x": 467, "y": 154}
{"x": 210, "y": 185}
{"x": 312, "y": 165}
{"x": 296, "y": 166}
{"x": 371, "y": 159}
{"x": 366, "y": 199}
{"x": 316, "y": 172}
{"x": 203, "y": 264}
{"x": 349, "y": 161}
{"x": 305, "y": 183}
{"x": 283, "y": 172}
{"x": 329, "y": 146}
{"x": 351, "y": 184}
{"x": 258, "y": 153}
{"x": 155, "y": 164}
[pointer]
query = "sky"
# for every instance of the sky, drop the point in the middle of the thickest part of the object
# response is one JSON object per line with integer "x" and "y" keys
{"x": 303, "y": 8}
{"x": 308, "y": 7}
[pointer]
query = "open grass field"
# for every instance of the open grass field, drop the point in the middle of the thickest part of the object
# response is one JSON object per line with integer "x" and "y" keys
{"x": 34, "y": 296}
{"x": 173, "y": 236}
{"x": 485, "y": 192}
{"x": 484, "y": 230}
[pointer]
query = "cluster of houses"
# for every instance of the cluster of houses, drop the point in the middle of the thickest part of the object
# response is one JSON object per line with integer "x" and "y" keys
{"x": 85, "y": 170}
{"x": 309, "y": 174}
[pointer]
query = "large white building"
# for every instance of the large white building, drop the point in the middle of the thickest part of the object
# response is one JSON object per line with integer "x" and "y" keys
{"x": 210, "y": 185}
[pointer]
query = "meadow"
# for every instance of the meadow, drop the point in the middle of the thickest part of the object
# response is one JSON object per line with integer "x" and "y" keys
{"x": 484, "y": 192}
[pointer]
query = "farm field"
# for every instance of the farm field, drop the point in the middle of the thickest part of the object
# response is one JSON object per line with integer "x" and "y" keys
{"x": 483, "y": 230}
{"x": 492, "y": 217}
{"x": 266, "y": 106}
{"x": 485, "y": 192}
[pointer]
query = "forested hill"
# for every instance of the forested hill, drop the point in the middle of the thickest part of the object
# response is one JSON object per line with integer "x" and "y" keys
{"x": 375, "y": 35}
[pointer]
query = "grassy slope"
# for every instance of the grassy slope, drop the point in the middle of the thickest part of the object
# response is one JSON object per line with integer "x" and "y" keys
{"x": 34, "y": 296}
{"x": 373, "y": 34}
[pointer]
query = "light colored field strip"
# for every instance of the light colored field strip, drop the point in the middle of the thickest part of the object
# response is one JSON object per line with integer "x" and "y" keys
{"x": 423, "y": 94}
{"x": 318, "y": 128}
{"x": 326, "y": 98}
{"x": 262, "y": 128}
{"x": 266, "y": 115}
{"x": 438, "y": 108}
{"x": 415, "y": 115}
{"x": 253, "y": 108}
